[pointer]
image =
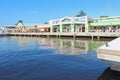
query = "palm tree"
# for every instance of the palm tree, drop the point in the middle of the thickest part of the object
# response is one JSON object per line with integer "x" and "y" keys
{"x": 81, "y": 13}
{"x": 19, "y": 21}
{"x": 19, "y": 27}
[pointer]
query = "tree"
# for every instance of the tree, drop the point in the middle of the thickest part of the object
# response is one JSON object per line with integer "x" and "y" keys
{"x": 46, "y": 23}
{"x": 104, "y": 16}
{"x": 19, "y": 21}
{"x": 81, "y": 13}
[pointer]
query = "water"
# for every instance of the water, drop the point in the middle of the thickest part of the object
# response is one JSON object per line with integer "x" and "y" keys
{"x": 30, "y": 58}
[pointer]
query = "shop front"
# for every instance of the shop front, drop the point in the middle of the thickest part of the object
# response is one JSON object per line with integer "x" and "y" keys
{"x": 110, "y": 24}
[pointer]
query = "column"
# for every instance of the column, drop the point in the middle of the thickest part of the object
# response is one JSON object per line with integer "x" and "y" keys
{"x": 51, "y": 28}
{"x": 61, "y": 28}
{"x": 72, "y": 28}
{"x": 86, "y": 27}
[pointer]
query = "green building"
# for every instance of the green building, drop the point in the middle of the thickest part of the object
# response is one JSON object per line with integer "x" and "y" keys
{"x": 107, "y": 24}
{"x": 86, "y": 24}
{"x": 70, "y": 24}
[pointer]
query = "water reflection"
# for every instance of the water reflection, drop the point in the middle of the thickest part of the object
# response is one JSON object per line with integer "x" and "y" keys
{"x": 69, "y": 46}
{"x": 61, "y": 46}
{"x": 30, "y": 58}
{"x": 109, "y": 74}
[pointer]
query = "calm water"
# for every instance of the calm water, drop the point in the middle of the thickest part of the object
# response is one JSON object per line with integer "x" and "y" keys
{"x": 27, "y": 58}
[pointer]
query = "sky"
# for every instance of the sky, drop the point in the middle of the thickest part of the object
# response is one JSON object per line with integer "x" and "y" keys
{"x": 41, "y": 11}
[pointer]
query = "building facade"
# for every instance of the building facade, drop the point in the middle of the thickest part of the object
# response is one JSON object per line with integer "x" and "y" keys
{"x": 85, "y": 24}
{"x": 107, "y": 24}
{"x": 20, "y": 27}
{"x": 70, "y": 24}
{"x": 44, "y": 28}
{"x": 9, "y": 28}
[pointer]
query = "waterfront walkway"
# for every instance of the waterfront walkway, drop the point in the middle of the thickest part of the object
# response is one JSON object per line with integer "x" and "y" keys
{"x": 64, "y": 34}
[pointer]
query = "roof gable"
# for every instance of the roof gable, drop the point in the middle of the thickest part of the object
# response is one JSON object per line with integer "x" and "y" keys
{"x": 20, "y": 25}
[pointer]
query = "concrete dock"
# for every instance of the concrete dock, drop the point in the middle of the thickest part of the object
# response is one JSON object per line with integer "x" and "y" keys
{"x": 111, "y": 52}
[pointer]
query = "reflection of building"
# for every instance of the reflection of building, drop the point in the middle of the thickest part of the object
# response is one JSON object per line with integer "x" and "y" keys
{"x": 73, "y": 46}
{"x": 24, "y": 41}
{"x": 67, "y": 46}
{"x": 44, "y": 43}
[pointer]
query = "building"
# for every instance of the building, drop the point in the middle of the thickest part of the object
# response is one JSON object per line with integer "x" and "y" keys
{"x": 70, "y": 24}
{"x": 9, "y": 28}
{"x": 44, "y": 28}
{"x": 33, "y": 27}
{"x": 20, "y": 27}
{"x": 86, "y": 24}
{"x": 107, "y": 24}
